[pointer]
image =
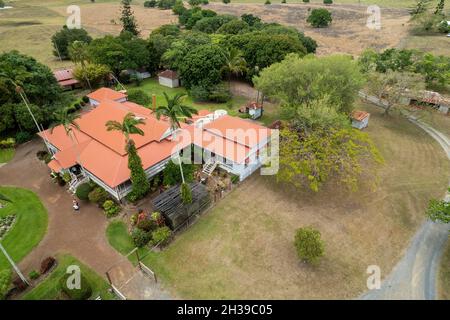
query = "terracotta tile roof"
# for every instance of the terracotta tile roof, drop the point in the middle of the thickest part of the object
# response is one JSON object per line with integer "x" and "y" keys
{"x": 359, "y": 115}
{"x": 243, "y": 131}
{"x": 106, "y": 94}
{"x": 93, "y": 124}
{"x": 168, "y": 74}
{"x": 54, "y": 166}
{"x": 102, "y": 152}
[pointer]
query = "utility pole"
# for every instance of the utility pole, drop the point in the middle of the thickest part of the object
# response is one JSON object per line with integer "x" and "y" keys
{"x": 14, "y": 265}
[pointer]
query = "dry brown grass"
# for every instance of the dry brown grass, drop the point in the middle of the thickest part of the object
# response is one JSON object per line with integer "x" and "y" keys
{"x": 244, "y": 247}
{"x": 348, "y": 32}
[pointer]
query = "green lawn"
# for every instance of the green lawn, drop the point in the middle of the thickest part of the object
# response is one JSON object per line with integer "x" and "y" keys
{"x": 6, "y": 155}
{"x": 151, "y": 86}
{"x": 243, "y": 248}
{"x": 49, "y": 288}
{"x": 119, "y": 239}
{"x": 30, "y": 225}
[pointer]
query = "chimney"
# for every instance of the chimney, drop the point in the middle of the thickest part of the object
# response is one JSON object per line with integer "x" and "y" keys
{"x": 154, "y": 102}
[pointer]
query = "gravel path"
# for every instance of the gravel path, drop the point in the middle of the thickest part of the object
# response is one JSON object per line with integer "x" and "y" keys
{"x": 414, "y": 277}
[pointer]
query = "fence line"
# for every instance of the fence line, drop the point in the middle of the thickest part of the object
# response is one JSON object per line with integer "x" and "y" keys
{"x": 147, "y": 270}
{"x": 118, "y": 293}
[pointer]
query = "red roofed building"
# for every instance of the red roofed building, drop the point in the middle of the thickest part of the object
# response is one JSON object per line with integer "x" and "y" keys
{"x": 169, "y": 79}
{"x": 360, "y": 119}
{"x": 103, "y": 94}
{"x": 66, "y": 79}
{"x": 232, "y": 143}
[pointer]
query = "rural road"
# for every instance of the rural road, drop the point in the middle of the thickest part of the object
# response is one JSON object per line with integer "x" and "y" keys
{"x": 414, "y": 277}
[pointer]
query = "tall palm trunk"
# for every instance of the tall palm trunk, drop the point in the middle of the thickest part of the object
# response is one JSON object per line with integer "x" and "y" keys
{"x": 25, "y": 101}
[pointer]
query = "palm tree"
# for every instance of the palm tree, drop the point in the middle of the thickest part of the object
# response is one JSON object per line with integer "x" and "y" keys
{"x": 67, "y": 119}
{"x": 234, "y": 63}
{"x": 127, "y": 126}
{"x": 15, "y": 77}
{"x": 78, "y": 53}
{"x": 174, "y": 110}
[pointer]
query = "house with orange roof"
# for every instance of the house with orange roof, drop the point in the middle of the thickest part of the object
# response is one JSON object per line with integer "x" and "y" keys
{"x": 93, "y": 153}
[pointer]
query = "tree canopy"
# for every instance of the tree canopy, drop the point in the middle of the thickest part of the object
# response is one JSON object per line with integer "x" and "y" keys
{"x": 62, "y": 39}
{"x": 298, "y": 81}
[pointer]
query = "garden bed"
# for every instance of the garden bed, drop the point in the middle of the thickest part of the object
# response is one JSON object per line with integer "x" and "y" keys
{"x": 50, "y": 287}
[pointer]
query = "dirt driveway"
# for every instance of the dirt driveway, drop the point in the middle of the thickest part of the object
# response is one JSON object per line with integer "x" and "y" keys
{"x": 80, "y": 234}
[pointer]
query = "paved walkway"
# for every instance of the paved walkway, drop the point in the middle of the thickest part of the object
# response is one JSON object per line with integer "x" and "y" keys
{"x": 415, "y": 276}
{"x": 80, "y": 234}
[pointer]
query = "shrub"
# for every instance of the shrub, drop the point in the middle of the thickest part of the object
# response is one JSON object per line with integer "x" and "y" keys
{"x": 41, "y": 154}
{"x": 124, "y": 76}
{"x": 220, "y": 94}
{"x": 267, "y": 2}
{"x": 140, "y": 237}
{"x": 47, "y": 264}
{"x": 34, "y": 274}
{"x": 147, "y": 225}
{"x": 166, "y": 4}
{"x": 283, "y": 1}
{"x": 5, "y": 282}
{"x": 172, "y": 174}
{"x": 139, "y": 96}
{"x": 83, "y": 293}
{"x": 320, "y": 18}
{"x": 310, "y": 246}
{"x": 111, "y": 208}
{"x": 47, "y": 158}
{"x": 8, "y": 143}
{"x": 327, "y": 1}
{"x": 23, "y": 136}
{"x": 161, "y": 235}
{"x": 306, "y": 1}
{"x": 234, "y": 179}
{"x": 66, "y": 177}
{"x": 19, "y": 284}
{"x": 226, "y": 1}
{"x": 98, "y": 196}
{"x": 150, "y": 4}
{"x": 83, "y": 191}
{"x": 199, "y": 93}
{"x": 158, "y": 218}
{"x": 444, "y": 27}
{"x": 2, "y": 4}
{"x": 85, "y": 99}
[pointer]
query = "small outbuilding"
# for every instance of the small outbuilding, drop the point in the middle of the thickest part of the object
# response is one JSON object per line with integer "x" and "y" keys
{"x": 169, "y": 78}
{"x": 66, "y": 79}
{"x": 253, "y": 109}
{"x": 360, "y": 119}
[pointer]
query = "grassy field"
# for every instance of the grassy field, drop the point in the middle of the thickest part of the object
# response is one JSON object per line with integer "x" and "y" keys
{"x": 30, "y": 225}
{"x": 444, "y": 275}
{"x": 381, "y": 3}
{"x": 151, "y": 86}
{"x": 49, "y": 288}
{"x": 243, "y": 248}
{"x": 6, "y": 155}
